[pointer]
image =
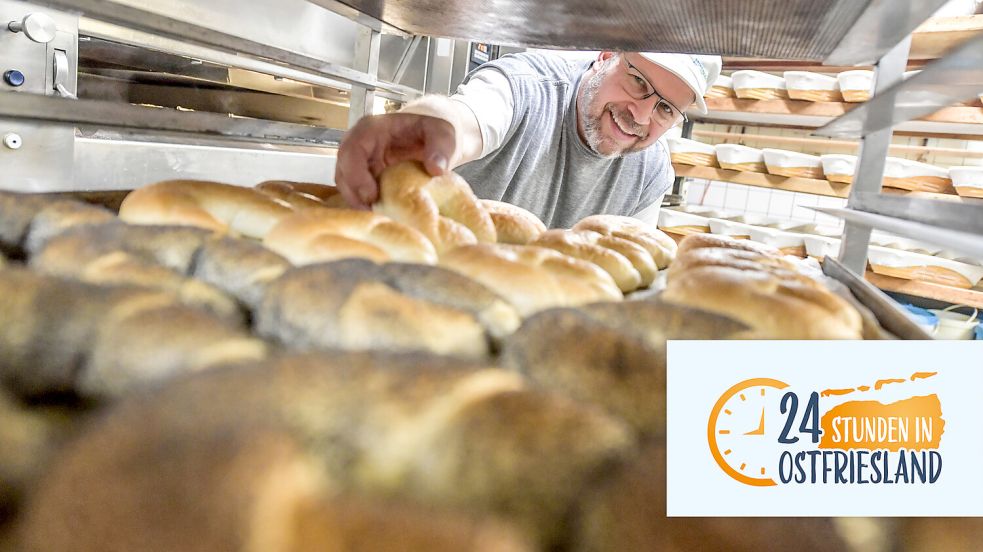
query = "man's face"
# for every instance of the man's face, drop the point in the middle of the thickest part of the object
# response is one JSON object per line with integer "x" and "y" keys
{"x": 610, "y": 118}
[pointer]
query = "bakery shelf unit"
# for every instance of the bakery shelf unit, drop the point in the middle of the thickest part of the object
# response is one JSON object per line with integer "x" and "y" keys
{"x": 941, "y": 100}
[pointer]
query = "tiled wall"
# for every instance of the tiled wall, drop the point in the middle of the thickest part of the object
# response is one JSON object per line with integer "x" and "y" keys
{"x": 793, "y": 205}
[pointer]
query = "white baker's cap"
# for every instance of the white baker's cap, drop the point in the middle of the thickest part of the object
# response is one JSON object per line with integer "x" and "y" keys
{"x": 698, "y": 72}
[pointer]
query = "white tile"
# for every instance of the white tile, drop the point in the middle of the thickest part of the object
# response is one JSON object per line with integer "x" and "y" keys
{"x": 757, "y": 200}
{"x": 736, "y": 197}
{"x": 836, "y": 202}
{"x": 801, "y": 213}
{"x": 826, "y": 220}
{"x": 808, "y": 200}
{"x": 714, "y": 196}
{"x": 781, "y": 204}
{"x": 694, "y": 191}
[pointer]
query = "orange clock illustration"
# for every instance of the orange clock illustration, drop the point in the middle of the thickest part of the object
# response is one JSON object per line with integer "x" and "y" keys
{"x": 743, "y": 428}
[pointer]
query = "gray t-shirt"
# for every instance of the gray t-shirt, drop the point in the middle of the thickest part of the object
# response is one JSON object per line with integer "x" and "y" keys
{"x": 544, "y": 166}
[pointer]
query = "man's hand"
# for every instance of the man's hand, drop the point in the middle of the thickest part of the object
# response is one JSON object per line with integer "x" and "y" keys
{"x": 379, "y": 141}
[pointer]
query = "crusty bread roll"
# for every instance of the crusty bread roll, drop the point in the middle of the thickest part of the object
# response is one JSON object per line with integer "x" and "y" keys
{"x": 302, "y": 195}
{"x": 442, "y": 207}
{"x": 533, "y": 278}
{"x": 79, "y": 255}
{"x": 319, "y": 235}
{"x": 735, "y": 258}
{"x": 240, "y": 267}
{"x": 624, "y": 260}
{"x": 357, "y": 305}
{"x": 611, "y": 354}
{"x": 16, "y": 213}
{"x": 67, "y": 336}
{"x": 655, "y": 241}
{"x": 60, "y": 216}
{"x": 697, "y": 241}
{"x": 513, "y": 224}
{"x": 210, "y": 205}
{"x": 627, "y": 511}
{"x": 422, "y": 429}
{"x": 777, "y": 308}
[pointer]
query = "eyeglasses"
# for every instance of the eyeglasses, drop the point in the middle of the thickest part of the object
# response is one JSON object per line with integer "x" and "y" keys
{"x": 639, "y": 88}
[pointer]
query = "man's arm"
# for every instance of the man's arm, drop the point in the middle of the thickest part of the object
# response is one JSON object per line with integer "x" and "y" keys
{"x": 438, "y": 131}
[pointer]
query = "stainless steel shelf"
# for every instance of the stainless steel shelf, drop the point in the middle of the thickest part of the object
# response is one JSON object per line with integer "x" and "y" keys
{"x": 851, "y": 30}
{"x": 141, "y": 19}
{"x": 132, "y": 119}
{"x": 956, "y": 77}
{"x": 949, "y": 234}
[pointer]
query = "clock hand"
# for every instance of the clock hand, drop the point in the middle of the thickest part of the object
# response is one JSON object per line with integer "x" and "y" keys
{"x": 761, "y": 425}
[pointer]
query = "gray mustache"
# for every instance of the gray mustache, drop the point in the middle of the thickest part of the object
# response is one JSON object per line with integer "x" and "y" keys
{"x": 625, "y": 121}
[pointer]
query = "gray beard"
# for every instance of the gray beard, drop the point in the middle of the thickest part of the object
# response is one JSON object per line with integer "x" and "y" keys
{"x": 592, "y": 125}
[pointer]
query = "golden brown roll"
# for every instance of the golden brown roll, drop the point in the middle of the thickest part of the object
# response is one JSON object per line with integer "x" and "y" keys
{"x": 321, "y": 235}
{"x": 513, "y": 224}
{"x": 211, "y": 205}
{"x": 611, "y": 354}
{"x": 357, "y": 305}
{"x": 16, "y": 213}
{"x": 627, "y": 511}
{"x": 533, "y": 278}
{"x": 628, "y": 263}
{"x": 67, "y": 336}
{"x": 240, "y": 267}
{"x": 246, "y": 444}
{"x": 60, "y": 216}
{"x": 735, "y": 258}
{"x": 655, "y": 241}
{"x": 776, "y": 307}
{"x": 442, "y": 207}
{"x": 324, "y": 192}
{"x": 697, "y": 241}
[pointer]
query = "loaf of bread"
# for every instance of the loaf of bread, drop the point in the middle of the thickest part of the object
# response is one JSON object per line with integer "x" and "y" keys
{"x": 611, "y": 354}
{"x": 63, "y": 336}
{"x": 358, "y": 305}
{"x": 443, "y": 208}
{"x": 655, "y": 241}
{"x": 210, "y": 205}
{"x": 513, "y": 224}
{"x": 240, "y": 267}
{"x": 320, "y": 235}
{"x": 628, "y": 263}
{"x": 533, "y": 278}
{"x": 427, "y": 430}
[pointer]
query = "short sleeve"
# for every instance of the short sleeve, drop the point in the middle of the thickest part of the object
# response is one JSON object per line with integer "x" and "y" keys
{"x": 489, "y": 96}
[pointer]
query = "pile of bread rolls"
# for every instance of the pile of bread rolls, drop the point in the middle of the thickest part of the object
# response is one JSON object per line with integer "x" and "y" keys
{"x": 273, "y": 371}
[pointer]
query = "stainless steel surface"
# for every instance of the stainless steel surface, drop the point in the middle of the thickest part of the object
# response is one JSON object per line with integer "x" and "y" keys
{"x": 117, "y": 164}
{"x": 131, "y": 118}
{"x": 44, "y": 159}
{"x": 367, "y": 44}
{"x": 405, "y": 58}
{"x": 954, "y": 215}
{"x": 883, "y": 25}
{"x": 440, "y": 66}
{"x": 38, "y": 27}
{"x": 885, "y": 309}
{"x": 34, "y": 59}
{"x": 954, "y": 78}
{"x": 782, "y": 29}
{"x": 142, "y": 18}
{"x": 870, "y": 165}
{"x": 12, "y": 140}
{"x": 965, "y": 242}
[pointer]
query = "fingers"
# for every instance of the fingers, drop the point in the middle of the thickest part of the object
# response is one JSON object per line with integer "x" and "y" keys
{"x": 375, "y": 143}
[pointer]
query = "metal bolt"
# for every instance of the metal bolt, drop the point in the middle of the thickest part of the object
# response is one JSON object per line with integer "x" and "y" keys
{"x": 12, "y": 140}
{"x": 38, "y": 27}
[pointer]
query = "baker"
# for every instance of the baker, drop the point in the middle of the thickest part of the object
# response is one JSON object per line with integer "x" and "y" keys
{"x": 560, "y": 138}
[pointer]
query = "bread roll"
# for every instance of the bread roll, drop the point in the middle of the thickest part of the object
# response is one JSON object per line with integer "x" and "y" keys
{"x": 320, "y": 235}
{"x": 697, "y": 241}
{"x": 72, "y": 255}
{"x": 428, "y": 430}
{"x": 283, "y": 191}
{"x": 63, "y": 336}
{"x": 240, "y": 267}
{"x": 357, "y": 305}
{"x": 16, "y": 213}
{"x": 210, "y": 205}
{"x": 30, "y": 436}
{"x": 611, "y": 354}
{"x": 628, "y": 512}
{"x": 776, "y": 308}
{"x": 60, "y": 216}
{"x": 513, "y": 224}
{"x": 532, "y": 278}
{"x": 618, "y": 257}
{"x": 734, "y": 258}
{"x": 443, "y": 208}
{"x": 656, "y": 242}
{"x": 326, "y": 193}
